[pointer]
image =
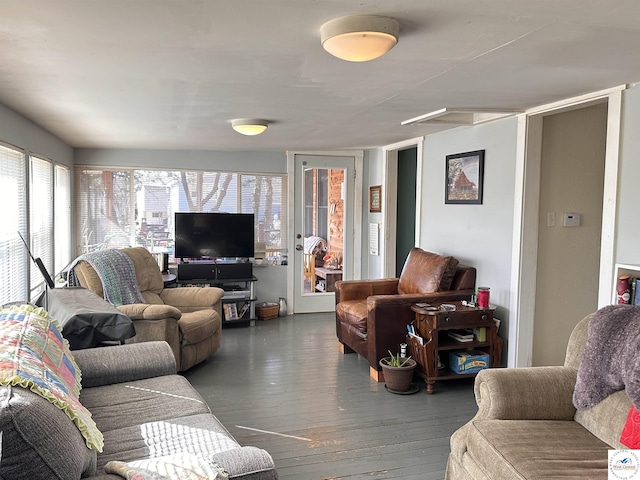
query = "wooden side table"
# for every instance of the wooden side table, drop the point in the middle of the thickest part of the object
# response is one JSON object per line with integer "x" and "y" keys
{"x": 330, "y": 276}
{"x": 433, "y": 324}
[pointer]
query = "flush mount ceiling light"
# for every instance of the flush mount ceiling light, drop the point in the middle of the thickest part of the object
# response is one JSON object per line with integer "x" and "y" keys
{"x": 249, "y": 126}
{"x": 359, "y": 38}
{"x": 460, "y": 116}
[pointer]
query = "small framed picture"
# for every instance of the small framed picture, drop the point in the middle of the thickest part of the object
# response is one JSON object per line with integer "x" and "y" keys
{"x": 464, "y": 174}
{"x": 375, "y": 198}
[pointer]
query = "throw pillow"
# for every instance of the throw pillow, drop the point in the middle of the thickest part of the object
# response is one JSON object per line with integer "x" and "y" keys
{"x": 423, "y": 272}
{"x": 34, "y": 355}
{"x": 630, "y": 436}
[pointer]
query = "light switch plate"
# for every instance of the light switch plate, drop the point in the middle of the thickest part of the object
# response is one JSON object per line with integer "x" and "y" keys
{"x": 551, "y": 219}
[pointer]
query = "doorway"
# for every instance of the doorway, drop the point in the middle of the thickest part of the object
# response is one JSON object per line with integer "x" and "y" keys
{"x": 323, "y": 229}
{"x": 406, "y": 205}
{"x": 568, "y": 263}
{"x": 528, "y": 219}
{"x": 398, "y": 222}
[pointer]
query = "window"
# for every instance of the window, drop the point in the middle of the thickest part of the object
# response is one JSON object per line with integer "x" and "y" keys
{"x": 44, "y": 224}
{"x": 40, "y": 217}
{"x": 13, "y": 218}
{"x": 125, "y": 207}
{"x": 316, "y": 202}
{"x": 62, "y": 218}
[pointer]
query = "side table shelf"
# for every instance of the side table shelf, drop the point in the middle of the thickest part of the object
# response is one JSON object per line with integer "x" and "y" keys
{"x": 432, "y": 325}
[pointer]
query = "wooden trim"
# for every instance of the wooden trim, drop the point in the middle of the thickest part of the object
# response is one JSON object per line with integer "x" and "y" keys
{"x": 376, "y": 375}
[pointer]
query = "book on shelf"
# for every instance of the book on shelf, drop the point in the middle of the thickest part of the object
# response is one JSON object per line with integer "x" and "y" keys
{"x": 230, "y": 311}
{"x": 464, "y": 335}
{"x": 480, "y": 334}
{"x": 243, "y": 309}
{"x": 634, "y": 291}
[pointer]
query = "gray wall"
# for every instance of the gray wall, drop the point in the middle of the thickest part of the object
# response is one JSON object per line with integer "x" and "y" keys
{"x": 23, "y": 133}
{"x": 20, "y": 132}
{"x": 249, "y": 161}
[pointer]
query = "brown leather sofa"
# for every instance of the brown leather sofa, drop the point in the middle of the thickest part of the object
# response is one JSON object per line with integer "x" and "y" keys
{"x": 372, "y": 315}
{"x": 188, "y": 319}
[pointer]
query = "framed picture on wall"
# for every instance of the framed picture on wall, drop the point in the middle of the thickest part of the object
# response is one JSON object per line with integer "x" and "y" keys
{"x": 375, "y": 198}
{"x": 464, "y": 175}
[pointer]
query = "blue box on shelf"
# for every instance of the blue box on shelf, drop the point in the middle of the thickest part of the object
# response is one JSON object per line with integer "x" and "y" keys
{"x": 461, "y": 361}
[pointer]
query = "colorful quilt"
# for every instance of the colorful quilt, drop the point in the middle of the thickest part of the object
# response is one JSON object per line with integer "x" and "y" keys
{"x": 34, "y": 355}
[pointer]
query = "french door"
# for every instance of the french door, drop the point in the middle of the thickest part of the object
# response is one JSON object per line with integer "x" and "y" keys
{"x": 323, "y": 229}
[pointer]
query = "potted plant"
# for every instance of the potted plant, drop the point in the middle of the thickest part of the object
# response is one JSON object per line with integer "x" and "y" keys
{"x": 398, "y": 372}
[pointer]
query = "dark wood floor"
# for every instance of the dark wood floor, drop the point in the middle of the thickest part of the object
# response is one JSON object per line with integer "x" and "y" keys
{"x": 284, "y": 386}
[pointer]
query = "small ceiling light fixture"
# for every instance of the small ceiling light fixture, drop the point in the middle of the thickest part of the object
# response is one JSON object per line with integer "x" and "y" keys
{"x": 359, "y": 38}
{"x": 249, "y": 126}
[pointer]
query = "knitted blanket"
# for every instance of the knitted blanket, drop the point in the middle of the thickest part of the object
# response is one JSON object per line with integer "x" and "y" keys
{"x": 34, "y": 355}
{"x": 611, "y": 360}
{"x": 116, "y": 272}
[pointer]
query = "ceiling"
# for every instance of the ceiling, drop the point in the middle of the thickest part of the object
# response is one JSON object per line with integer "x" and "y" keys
{"x": 171, "y": 74}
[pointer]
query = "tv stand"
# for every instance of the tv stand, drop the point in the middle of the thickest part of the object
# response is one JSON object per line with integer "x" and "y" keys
{"x": 237, "y": 281}
{"x": 215, "y": 270}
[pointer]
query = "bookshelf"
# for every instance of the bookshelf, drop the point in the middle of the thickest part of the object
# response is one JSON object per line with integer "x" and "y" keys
{"x": 433, "y": 341}
{"x": 238, "y": 302}
{"x": 623, "y": 269}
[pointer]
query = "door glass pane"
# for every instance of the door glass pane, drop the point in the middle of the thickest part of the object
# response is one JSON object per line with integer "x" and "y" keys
{"x": 323, "y": 227}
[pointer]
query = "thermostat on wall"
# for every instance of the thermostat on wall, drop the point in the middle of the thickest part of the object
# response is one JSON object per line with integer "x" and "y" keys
{"x": 572, "y": 219}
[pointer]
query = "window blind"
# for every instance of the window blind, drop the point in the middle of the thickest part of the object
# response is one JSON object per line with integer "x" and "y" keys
{"x": 41, "y": 217}
{"x": 13, "y": 219}
{"x": 62, "y": 218}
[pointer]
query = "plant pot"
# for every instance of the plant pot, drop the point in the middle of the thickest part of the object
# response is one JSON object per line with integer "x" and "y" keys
{"x": 398, "y": 379}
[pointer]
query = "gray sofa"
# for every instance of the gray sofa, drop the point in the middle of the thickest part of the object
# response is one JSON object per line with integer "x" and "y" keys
{"x": 528, "y": 428}
{"x": 142, "y": 408}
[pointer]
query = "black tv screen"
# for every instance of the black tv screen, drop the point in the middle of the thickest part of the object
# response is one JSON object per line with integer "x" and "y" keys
{"x": 214, "y": 235}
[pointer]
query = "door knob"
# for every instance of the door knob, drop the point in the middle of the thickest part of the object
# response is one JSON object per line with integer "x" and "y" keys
{"x": 299, "y": 247}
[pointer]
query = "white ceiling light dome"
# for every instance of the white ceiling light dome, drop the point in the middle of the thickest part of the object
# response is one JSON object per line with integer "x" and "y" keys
{"x": 359, "y": 38}
{"x": 249, "y": 126}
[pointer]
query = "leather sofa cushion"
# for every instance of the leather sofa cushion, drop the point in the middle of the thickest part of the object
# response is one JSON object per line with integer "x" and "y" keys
{"x": 426, "y": 272}
{"x": 354, "y": 312}
{"x": 528, "y": 449}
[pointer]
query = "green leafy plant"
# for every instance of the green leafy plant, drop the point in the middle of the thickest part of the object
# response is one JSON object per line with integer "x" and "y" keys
{"x": 397, "y": 360}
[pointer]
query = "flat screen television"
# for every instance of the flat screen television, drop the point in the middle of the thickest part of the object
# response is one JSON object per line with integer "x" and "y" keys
{"x": 214, "y": 235}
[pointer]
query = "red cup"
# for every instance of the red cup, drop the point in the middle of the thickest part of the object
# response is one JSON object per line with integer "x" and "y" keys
{"x": 483, "y": 297}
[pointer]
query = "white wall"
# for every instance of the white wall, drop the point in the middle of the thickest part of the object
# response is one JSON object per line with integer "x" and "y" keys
{"x": 478, "y": 235}
{"x": 374, "y": 175}
{"x": 628, "y": 217}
